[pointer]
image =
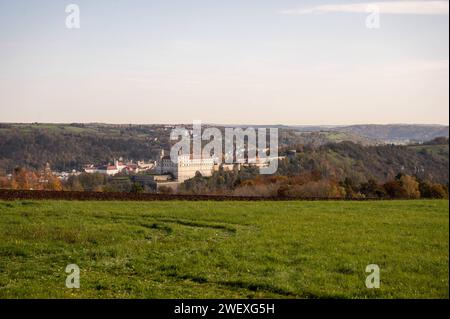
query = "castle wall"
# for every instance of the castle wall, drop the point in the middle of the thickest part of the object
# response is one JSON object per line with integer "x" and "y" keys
{"x": 186, "y": 167}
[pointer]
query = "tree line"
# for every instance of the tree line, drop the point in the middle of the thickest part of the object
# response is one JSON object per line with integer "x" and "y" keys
{"x": 245, "y": 182}
{"x": 311, "y": 185}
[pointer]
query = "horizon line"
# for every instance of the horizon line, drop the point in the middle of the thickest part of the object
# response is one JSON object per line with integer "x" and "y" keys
{"x": 232, "y": 124}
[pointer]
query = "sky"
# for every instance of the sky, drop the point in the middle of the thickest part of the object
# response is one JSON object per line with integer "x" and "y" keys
{"x": 225, "y": 62}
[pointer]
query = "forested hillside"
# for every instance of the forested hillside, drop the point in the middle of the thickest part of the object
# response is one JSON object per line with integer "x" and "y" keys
{"x": 70, "y": 146}
{"x": 381, "y": 162}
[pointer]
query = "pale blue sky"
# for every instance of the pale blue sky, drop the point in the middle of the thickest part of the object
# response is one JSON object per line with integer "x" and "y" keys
{"x": 234, "y": 61}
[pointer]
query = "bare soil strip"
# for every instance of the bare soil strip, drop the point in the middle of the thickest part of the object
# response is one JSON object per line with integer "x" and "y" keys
{"x": 6, "y": 194}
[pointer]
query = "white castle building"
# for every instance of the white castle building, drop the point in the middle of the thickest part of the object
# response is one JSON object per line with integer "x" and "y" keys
{"x": 184, "y": 167}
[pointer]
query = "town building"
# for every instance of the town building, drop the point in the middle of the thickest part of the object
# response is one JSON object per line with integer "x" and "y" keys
{"x": 119, "y": 167}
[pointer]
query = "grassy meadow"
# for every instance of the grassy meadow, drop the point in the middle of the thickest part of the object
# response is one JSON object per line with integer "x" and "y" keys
{"x": 183, "y": 249}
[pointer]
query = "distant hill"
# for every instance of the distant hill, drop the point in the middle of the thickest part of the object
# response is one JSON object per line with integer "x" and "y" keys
{"x": 366, "y": 134}
{"x": 398, "y": 133}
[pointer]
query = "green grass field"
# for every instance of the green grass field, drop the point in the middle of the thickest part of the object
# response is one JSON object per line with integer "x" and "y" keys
{"x": 224, "y": 249}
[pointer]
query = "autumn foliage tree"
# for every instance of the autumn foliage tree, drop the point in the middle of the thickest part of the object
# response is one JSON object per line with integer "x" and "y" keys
{"x": 410, "y": 186}
{"x": 432, "y": 190}
{"x": 25, "y": 179}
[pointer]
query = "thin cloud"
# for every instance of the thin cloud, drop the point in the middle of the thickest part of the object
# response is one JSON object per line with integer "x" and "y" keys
{"x": 397, "y": 7}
